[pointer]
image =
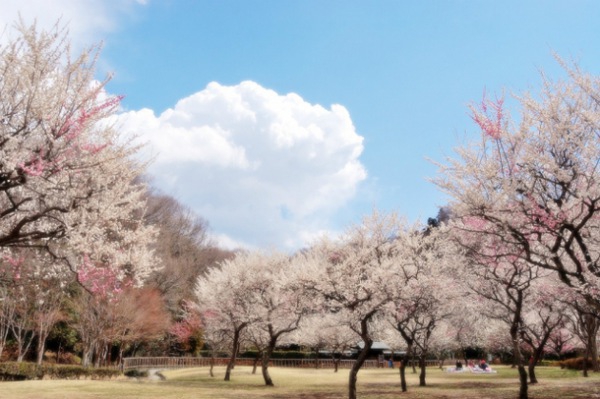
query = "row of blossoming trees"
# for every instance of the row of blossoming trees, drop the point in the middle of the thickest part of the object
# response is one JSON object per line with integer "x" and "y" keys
{"x": 513, "y": 268}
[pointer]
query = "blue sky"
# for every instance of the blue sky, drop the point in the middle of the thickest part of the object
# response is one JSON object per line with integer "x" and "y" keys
{"x": 403, "y": 73}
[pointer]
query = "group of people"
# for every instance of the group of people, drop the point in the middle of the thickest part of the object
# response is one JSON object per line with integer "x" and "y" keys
{"x": 482, "y": 367}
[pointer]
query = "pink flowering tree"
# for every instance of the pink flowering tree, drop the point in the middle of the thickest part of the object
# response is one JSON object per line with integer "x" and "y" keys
{"x": 95, "y": 313}
{"x": 188, "y": 330}
{"x": 532, "y": 191}
{"x": 31, "y": 304}
{"x": 535, "y": 186}
{"x": 68, "y": 178}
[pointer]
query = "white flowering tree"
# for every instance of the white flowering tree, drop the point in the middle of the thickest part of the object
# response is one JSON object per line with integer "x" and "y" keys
{"x": 226, "y": 299}
{"x": 426, "y": 298}
{"x": 280, "y": 302}
{"x": 67, "y": 177}
{"x": 355, "y": 277}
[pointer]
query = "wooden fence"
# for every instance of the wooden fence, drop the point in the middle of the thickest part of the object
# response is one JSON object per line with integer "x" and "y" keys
{"x": 187, "y": 362}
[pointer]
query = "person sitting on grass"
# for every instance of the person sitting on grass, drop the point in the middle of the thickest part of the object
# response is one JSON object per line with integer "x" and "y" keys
{"x": 483, "y": 365}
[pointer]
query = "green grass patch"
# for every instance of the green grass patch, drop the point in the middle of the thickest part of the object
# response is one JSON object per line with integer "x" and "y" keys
{"x": 310, "y": 383}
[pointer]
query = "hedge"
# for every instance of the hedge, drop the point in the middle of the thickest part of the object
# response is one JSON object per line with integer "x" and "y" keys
{"x": 13, "y": 371}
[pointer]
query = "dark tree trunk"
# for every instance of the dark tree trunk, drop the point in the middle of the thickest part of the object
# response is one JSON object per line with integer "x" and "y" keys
{"x": 518, "y": 358}
{"x": 592, "y": 344}
{"x": 403, "y": 373}
{"x": 265, "y": 362}
{"x": 586, "y": 358}
{"x": 423, "y": 373}
{"x": 317, "y": 364}
{"x": 336, "y": 363}
{"x": 255, "y": 364}
{"x": 234, "y": 351}
{"x": 362, "y": 356}
{"x": 523, "y": 382}
{"x": 531, "y": 369}
{"x": 212, "y": 365}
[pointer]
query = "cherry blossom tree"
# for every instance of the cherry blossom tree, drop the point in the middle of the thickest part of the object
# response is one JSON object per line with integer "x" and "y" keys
{"x": 427, "y": 263}
{"x": 355, "y": 277}
{"x": 32, "y": 304}
{"x": 535, "y": 186}
{"x": 542, "y": 316}
{"x": 279, "y": 301}
{"x": 68, "y": 179}
{"x": 531, "y": 192}
{"x": 505, "y": 284}
{"x": 226, "y": 298}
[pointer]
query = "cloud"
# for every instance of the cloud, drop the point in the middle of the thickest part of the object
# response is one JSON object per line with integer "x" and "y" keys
{"x": 88, "y": 21}
{"x": 264, "y": 169}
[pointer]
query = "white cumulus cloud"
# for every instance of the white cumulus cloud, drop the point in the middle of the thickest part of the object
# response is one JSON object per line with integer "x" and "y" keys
{"x": 264, "y": 169}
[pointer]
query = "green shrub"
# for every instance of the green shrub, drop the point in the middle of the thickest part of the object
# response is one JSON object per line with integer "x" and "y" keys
{"x": 13, "y": 371}
{"x": 136, "y": 373}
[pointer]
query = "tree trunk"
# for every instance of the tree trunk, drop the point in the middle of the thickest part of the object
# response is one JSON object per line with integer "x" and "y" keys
{"x": 523, "y": 381}
{"x": 256, "y": 359}
{"x": 212, "y": 365}
{"x": 423, "y": 370}
{"x": 531, "y": 369}
{"x": 41, "y": 348}
{"x": 336, "y": 363}
{"x": 317, "y": 365}
{"x": 518, "y": 357}
{"x": 234, "y": 351}
{"x": 86, "y": 357}
{"x": 403, "y": 373}
{"x": 595, "y": 363}
{"x": 265, "y": 365}
{"x": 593, "y": 324}
{"x": 362, "y": 356}
{"x": 586, "y": 360}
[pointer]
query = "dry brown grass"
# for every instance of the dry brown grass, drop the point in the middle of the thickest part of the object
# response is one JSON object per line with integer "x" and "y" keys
{"x": 310, "y": 383}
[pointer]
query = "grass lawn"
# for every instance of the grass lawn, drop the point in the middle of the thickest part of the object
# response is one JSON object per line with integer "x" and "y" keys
{"x": 310, "y": 383}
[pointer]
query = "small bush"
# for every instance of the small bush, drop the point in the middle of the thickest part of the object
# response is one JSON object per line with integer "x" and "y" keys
{"x": 136, "y": 373}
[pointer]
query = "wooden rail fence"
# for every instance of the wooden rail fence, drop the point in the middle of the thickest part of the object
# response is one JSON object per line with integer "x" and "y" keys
{"x": 187, "y": 362}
